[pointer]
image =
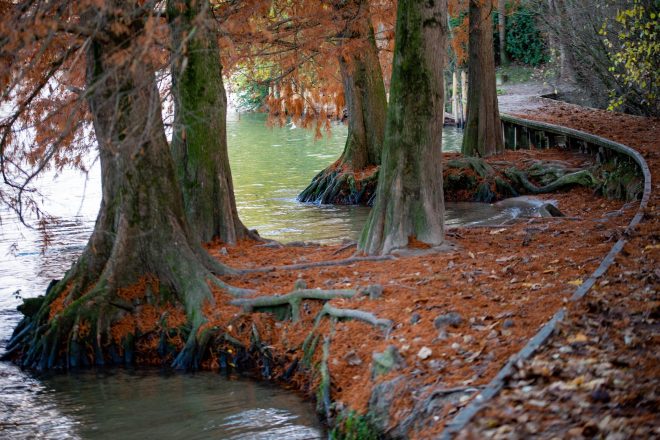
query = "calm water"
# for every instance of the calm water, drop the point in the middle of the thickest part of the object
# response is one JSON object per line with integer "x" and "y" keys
{"x": 270, "y": 167}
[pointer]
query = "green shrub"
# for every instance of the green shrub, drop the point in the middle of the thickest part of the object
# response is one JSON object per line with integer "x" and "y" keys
{"x": 524, "y": 41}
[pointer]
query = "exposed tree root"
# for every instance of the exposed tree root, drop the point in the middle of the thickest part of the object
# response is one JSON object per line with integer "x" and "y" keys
{"x": 323, "y": 398}
{"x": 582, "y": 177}
{"x": 360, "y": 315}
{"x": 338, "y": 187}
{"x": 291, "y": 300}
{"x": 304, "y": 266}
{"x": 479, "y": 166}
{"x": 233, "y": 291}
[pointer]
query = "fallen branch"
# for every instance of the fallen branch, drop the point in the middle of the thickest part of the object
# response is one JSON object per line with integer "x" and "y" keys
{"x": 346, "y": 246}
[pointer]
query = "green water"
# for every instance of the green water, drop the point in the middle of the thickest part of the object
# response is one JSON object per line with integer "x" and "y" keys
{"x": 271, "y": 166}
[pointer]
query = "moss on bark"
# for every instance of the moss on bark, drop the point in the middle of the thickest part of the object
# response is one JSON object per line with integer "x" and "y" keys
{"x": 409, "y": 200}
{"x": 142, "y": 261}
{"x": 199, "y": 141}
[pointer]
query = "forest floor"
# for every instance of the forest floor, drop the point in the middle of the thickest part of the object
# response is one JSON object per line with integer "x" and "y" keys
{"x": 459, "y": 315}
{"x": 599, "y": 375}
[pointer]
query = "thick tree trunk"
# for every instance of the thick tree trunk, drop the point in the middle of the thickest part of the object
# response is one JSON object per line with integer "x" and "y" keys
{"x": 409, "y": 203}
{"x": 367, "y": 108}
{"x": 367, "y": 104}
{"x": 501, "y": 28}
{"x": 483, "y": 130}
{"x": 566, "y": 70}
{"x": 142, "y": 263}
{"x": 199, "y": 141}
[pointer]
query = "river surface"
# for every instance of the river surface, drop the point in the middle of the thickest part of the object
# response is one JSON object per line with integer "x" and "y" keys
{"x": 270, "y": 167}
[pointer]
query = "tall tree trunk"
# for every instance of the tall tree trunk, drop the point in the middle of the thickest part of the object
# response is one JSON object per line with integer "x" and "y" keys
{"x": 366, "y": 101}
{"x": 142, "y": 263}
{"x": 409, "y": 203}
{"x": 483, "y": 130}
{"x": 566, "y": 70}
{"x": 501, "y": 27}
{"x": 199, "y": 141}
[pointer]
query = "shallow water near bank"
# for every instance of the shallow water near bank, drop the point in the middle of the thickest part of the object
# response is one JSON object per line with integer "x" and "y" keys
{"x": 270, "y": 167}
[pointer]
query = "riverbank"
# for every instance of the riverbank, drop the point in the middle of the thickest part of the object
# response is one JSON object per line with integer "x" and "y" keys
{"x": 456, "y": 317}
{"x": 428, "y": 330}
{"x": 591, "y": 361}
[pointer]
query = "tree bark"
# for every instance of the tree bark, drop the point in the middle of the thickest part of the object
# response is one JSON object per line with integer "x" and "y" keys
{"x": 501, "y": 27}
{"x": 367, "y": 105}
{"x": 409, "y": 202}
{"x": 366, "y": 102}
{"x": 199, "y": 141}
{"x": 483, "y": 130}
{"x": 141, "y": 236}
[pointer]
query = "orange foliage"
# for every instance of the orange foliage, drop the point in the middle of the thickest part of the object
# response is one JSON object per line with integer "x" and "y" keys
{"x": 294, "y": 47}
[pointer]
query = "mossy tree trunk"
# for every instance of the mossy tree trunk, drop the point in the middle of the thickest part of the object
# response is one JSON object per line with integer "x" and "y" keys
{"x": 199, "y": 141}
{"x": 141, "y": 232}
{"x": 409, "y": 202}
{"x": 366, "y": 102}
{"x": 483, "y": 129}
{"x": 365, "y": 97}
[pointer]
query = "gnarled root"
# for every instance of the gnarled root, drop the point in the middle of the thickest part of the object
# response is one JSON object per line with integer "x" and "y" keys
{"x": 359, "y": 315}
{"x": 582, "y": 177}
{"x": 337, "y": 186}
{"x": 290, "y": 301}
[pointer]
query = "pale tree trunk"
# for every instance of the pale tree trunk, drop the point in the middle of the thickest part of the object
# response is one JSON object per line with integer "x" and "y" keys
{"x": 409, "y": 203}
{"x": 566, "y": 70}
{"x": 464, "y": 96}
{"x": 366, "y": 102}
{"x": 141, "y": 236}
{"x": 199, "y": 141}
{"x": 483, "y": 130}
{"x": 501, "y": 27}
{"x": 454, "y": 96}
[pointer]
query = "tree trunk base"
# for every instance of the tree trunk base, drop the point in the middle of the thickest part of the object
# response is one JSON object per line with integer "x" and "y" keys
{"x": 338, "y": 185}
{"x": 103, "y": 326}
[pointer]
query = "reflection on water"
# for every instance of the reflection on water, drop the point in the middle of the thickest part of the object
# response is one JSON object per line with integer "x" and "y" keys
{"x": 147, "y": 404}
{"x": 270, "y": 167}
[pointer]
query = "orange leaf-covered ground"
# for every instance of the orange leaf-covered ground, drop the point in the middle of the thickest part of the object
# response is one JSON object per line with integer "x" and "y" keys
{"x": 503, "y": 282}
